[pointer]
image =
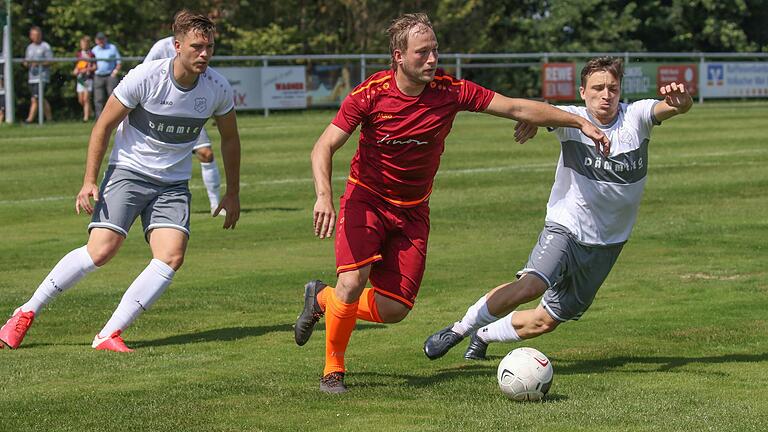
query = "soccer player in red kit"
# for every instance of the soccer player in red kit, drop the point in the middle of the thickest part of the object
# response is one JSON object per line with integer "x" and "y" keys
{"x": 405, "y": 114}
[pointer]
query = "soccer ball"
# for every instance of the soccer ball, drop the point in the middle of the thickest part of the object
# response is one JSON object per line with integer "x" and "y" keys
{"x": 525, "y": 374}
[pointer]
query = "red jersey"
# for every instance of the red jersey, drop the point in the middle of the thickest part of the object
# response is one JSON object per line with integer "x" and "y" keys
{"x": 402, "y": 137}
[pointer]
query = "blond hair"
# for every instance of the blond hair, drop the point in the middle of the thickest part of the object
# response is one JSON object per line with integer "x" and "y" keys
{"x": 399, "y": 29}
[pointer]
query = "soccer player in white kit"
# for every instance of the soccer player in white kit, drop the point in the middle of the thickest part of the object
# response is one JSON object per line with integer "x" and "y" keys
{"x": 163, "y": 49}
{"x": 159, "y": 109}
{"x": 591, "y": 211}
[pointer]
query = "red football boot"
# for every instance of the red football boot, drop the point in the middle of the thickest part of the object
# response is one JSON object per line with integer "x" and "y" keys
{"x": 15, "y": 329}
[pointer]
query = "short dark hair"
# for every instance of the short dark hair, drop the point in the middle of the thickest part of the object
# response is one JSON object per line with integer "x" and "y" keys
{"x": 185, "y": 21}
{"x": 612, "y": 65}
{"x": 400, "y": 27}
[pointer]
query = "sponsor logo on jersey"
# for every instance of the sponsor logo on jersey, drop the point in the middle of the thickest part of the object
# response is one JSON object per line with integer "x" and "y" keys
{"x": 386, "y": 140}
{"x": 623, "y": 168}
{"x": 167, "y": 129}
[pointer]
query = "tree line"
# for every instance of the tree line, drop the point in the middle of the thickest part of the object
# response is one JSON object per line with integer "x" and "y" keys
{"x": 255, "y": 27}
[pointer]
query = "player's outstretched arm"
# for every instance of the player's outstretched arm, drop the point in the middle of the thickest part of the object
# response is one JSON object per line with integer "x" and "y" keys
{"x": 114, "y": 112}
{"x": 676, "y": 101}
{"x": 544, "y": 114}
{"x": 230, "y": 153}
{"x": 324, "y": 214}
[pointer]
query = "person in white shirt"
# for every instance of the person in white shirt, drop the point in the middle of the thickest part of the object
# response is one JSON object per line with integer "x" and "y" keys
{"x": 163, "y": 49}
{"x": 159, "y": 110}
{"x": 37, "y": 59}
{"x": 591, "y": 211}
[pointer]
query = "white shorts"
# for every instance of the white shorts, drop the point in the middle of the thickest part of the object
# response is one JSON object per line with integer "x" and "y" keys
{"x": 86, "y": 86}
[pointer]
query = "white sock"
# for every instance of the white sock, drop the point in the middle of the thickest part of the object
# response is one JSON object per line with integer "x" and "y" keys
{"x": 477, "y": 316}
{"x": 142, "y": 293}
{"x": 212, "y": 182}
{"x": 499, "y": 331}
{"x": 67, "y": 272}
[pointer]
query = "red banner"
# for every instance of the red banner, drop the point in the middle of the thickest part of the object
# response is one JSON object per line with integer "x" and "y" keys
{"x": 558, "y": 81}
{"x": 686, "y": 74}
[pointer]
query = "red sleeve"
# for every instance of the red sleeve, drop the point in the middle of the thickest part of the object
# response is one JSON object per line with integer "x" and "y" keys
{"x": 351, "y": 113}
{"x": 474, "y": 97}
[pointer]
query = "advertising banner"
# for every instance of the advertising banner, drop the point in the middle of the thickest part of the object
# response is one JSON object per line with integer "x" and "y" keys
{"x": 267, "y": 87}
{"x": 557, "y": 81}
{"x": 245, "y": 82}
{"x": 283, "y": 87}
{"x": 734, "y": 80}
{"x": 679, "y": 73}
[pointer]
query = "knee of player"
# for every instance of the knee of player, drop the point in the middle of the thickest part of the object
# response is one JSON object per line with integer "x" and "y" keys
{"x": 173, "y": 260}
{"x": 349, "y": 291}
{"x": 102, "y": 252}
{"x": 545, "y": 324}
{"x": 204, "y": 155}
{"x": 101, "y": 256}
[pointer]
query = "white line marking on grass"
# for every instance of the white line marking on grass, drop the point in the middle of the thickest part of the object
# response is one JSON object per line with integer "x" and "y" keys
{"x": 462, "y": 171}
{"x": 33, "y": 200}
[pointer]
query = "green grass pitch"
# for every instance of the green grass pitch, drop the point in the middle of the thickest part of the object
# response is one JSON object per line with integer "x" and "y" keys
{"x": 677, "y": 339}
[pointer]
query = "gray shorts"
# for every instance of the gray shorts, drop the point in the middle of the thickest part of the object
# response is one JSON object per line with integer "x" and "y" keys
{"x": 125, "y": 194}
{"x": 572, "y": 271}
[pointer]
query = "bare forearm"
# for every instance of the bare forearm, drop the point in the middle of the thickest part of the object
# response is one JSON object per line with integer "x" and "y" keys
{"x": 322, "y": 167}
{"x": 230, "y": 152}
{"x": 532, "y": 112}
{"x": 97, "y": 147}
{"x": 544, "y": 114}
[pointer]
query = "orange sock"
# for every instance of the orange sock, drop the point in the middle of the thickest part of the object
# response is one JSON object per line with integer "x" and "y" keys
{"x": 367, "y": 309}
{"x": 322, "y": 297}
{"x": 340, "y": 319}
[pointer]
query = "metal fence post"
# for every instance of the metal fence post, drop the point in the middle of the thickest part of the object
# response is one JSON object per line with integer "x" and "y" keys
{"x": 362, "y": 68}
{"x": 266, "y": 108}
{"x": 626, "y": 63}
{"x": 40, "y": 96}
{"x": 458, "y": 66}
{"x": 701, "y": 71}
{"x": 10, "y": 100}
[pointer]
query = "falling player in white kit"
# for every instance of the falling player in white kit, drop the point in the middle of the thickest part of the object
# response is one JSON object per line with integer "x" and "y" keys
{"x": 159, "y": 109}
{"x": 163, "y": 49}
{"x": 591, "y": 211}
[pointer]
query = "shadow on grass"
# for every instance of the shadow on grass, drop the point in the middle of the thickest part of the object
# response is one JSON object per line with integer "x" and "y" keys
{"x": 228, "y": 334}
{"x": 217, "y": 335}
{"x": 488, "y": 368}
{"x": 663, "y": 363}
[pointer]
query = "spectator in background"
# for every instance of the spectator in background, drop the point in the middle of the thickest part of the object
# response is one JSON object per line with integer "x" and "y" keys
{"x": 37, "y": 59}
{"x": 107, "y": 69}
{"x": 83, "y": 73}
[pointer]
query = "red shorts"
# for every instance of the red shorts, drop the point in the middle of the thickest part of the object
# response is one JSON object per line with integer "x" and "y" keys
{"x": 393, "y": 240}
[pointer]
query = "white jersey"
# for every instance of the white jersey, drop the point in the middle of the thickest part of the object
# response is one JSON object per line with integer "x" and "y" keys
{"x": 157, "y": 137}
{"x": 597, "y": 197}
{"x": 162, "y": 49}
